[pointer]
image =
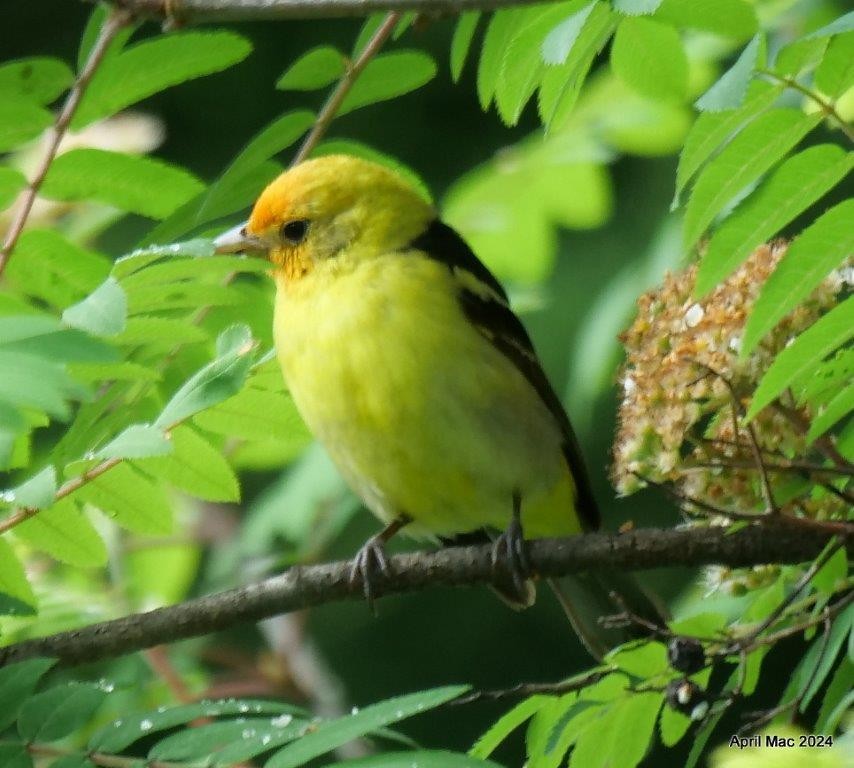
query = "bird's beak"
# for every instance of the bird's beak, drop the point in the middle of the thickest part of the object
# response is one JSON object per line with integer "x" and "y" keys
{"x": 237, "y": 240}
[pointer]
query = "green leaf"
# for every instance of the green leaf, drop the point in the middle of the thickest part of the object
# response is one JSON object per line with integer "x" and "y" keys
{"x": 154, "y": 65}
{"x": 712, "y": 129}
{"x": 754, "y": 151}
{"x": 844, "y": 23}
{"x": 20, "y": 121}
{"x": 672, "y": 725}
{"x": 789, "y": 190}
{"x": 43, "y": 336}
{"x": 832, "y": 572}
{"x": 119, "y": 735}
{"x": 37, "y": 492}
{"x": 839, "y": 632}
{"x": 213, "y": 383}
{"x": 132, "y": 183}
{"x": 137, "y": 441}
{"x": 499, "y": 32}
{"x": 151, "y": 330}
{"x": 387, "y": 76}
{"x": 835, "y": 74}
{"x": 809, "y": 259}
{"x": 141, "y": 258}
{"x": 255, "y": 414}
{"x": 559, "y": 43}
{"x": 505, "y": 725}
{"x": 421, "y": 758}
{"x": 66, "y": 534}
{"x": 130, "y": 499}
{"x": 838, "y": 698}
{"x": 197, "y": 467}
{"x": 461, "y": 42}
{"x": 73, "y": 761}
{"x": 799, "y": 56}
{"x": 334, "y": 733}
{"x": 315, "y": 69}
{"x": 234, "y": 740}
{"x": 829, "y": 332}
{"x": 729, "y": 91}
{"x": 838, "y": 407}
{"x": 15, "y": 756}
{"x": 643, "y": 660}
{"x": 634, "y": 727}
{"x": 14, "y": 584}
{"x": 12, "y": 181}
{"x": 636, "y": 7}
{"x": 280, "y": 134}
{"x": 57, "y": 712}
{"x": 17, "y": 683}
{"x": 729, "y": 18}
{"x": 649, "y": 57}
{"x": 102, "y": 313}
{"x": 38, "y": 78}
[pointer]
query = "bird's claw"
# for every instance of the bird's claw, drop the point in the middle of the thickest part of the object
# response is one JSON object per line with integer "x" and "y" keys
{"x": 510, "y": 553}
{"x": 369, "y": 561}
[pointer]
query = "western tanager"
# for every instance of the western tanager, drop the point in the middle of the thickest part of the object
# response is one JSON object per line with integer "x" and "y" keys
{"x": 405, "y": 360}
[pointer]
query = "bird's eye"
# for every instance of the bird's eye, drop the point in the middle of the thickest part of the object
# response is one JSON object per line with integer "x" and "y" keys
{"x": 294, "y": 232}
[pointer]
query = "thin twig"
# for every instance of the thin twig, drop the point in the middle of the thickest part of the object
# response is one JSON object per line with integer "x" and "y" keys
{"x": 524, "y": 690}
{"x": 307, "y": 586}
{"x": 115, "y": 22}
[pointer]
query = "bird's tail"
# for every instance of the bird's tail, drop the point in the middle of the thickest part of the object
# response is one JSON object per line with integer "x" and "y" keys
{"x": 587, "y": 597}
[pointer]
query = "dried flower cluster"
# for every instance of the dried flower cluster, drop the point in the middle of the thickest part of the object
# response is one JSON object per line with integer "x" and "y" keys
{"x": 685, "y": 389}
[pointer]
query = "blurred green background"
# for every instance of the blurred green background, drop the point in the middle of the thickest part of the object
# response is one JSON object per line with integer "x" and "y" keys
{"x": 441, "y": 636}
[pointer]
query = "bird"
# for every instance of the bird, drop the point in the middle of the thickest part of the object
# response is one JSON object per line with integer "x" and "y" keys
{"x": 405, "y": 360}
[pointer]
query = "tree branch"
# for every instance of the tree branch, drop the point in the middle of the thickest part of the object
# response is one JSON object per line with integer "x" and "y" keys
{"x": 201, "y": 11}
{"x": 781, "y": 540}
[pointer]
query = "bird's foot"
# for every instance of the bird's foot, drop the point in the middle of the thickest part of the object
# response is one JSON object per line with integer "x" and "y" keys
{"x": 510, "y": 554}
{"x": 369, "y": 562}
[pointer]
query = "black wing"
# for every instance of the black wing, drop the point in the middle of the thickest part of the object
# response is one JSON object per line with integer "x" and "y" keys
{"x": 494, "y": 319}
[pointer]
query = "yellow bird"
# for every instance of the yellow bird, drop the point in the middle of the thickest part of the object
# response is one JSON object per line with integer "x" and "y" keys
{"x": 405, "y": 360}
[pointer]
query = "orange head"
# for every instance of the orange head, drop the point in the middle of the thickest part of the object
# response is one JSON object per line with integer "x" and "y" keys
{"x": 332, "y": 207}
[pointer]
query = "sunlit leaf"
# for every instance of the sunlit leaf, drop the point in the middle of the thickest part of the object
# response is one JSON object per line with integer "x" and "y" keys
{"x": 12, "y": 182}
{"x": 844, "y": 23}
{"x": 103, "y": 312}
{"x": 315, "y": 69}
{"x": 729, "y": 91}
{"x": 37, "y": 492}
{"x": 809, "y": 259}
{"x": 505, "y": 725}
{"x": 499, "y": 32}
{"x": 37, "y": 78}
{"x": 66, "y": 534}
{"x": 829, "y": 332}
{"x": 837, "y": 408}
{"x": 650, "y": 58}
{"x": 417, "y": 759}
{"x": 835, "y": 74}
{"x": 16, "y": 594}
{"x": 136, "y": 442}
{"x": 387, "y": 76}
{"x": 636, "y": 7}
{"x": 728, "y": 18}
{"x": 461, "y": 41}
{"x": 20, "y": 121}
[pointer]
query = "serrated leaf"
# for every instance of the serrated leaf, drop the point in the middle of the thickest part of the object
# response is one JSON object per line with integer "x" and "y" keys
{"x": 154, "y": 65}
{"x": 636, "y": 7}
{"x": 649, "y": 57}
{"x": 729, "y": 18}
{"x": 14, "y": 584}
{"x": 20, "y": 121}
{"x": 809, "y": 259}
{"x": 800, "y": 55}
{"x": 37, "y": 78}
{"x": 644, "y": 660}
{"x": 37, "y": 492}
{"x": 672, "y": 726}
{"x": 499, "y": 32}
{"x": 334, "y": 733}
{"x": 315, "y": 69}
{"x": 137, "y": 441}
{"x": 33, "y": 382}
{"x": 829, "y": 332}
{"x": 505, "y": 725}
{"x": 141, "y": 258}
{"x": 461, "y": 42}
{"x": 559, "y": 43}
{"x": 634, "y": 727}
{"x": 102, "y": 313}
{"x": 120, "y": 734}
{"x": 132, "y": 183}
{"x": 754, "y": 151}
{"x": 835, "y": 74}
{"x": 17, "y": 682}
{"x": 130, "y": 499}
{"x": 420, "y": 758}
{"x": 833, "y": 571}
{"x": 150, "y": 330}
{"x": 255, "y": 414}
{"x": 66, "y": 534}
{"x": 712, "y": 129}
{"x": 12, "y": 181}
{"x": 196, "y": 467}
{"x": 43, "y": 336}
{"x": 212, "y": 384}
{"x": 790, "y": 189}
{"x": 729, "y": 90}
{"x": 836, "y": 409}
{"x": 59, "y": 711}
{"x": 387, "y": 76}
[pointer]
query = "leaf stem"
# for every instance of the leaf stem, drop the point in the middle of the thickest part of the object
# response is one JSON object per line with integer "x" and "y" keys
{"x": 115, "y": 22}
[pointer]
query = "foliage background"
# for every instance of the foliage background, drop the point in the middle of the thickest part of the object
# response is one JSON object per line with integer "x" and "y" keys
{"x": 441, "y": 132}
